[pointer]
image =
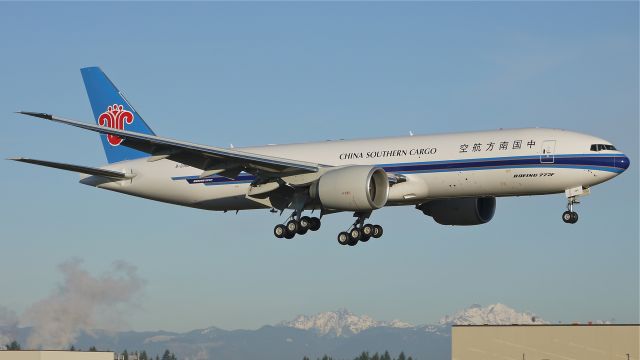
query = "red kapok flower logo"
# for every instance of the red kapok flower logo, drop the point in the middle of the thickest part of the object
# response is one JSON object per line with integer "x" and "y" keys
{"x": 115, "y": 117}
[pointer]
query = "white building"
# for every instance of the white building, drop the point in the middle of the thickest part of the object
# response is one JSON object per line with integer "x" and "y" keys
{"x": 56, "y": 355}
{"x": 545, "y": 342}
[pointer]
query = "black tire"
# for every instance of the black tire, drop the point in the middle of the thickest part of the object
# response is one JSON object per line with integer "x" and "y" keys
{"x": 377, "y": 231}
{"x": 302, "y": 231}
{"x": 355, "y": 233}
{"x": 293, "y": 226}
{"x": 343, "y": 238}
{"x": 365, "y": 238}
{"x": 279, "y": 231}
{"x": 367, "y": 230}
{"x": 289, "y": 235}
{"x": 305, "y": 223}
{"x": 574, "y": 217}
{"x": 353, "y": 242}
{"x": 566, "y": 217}
{"x": 315, "y": 224}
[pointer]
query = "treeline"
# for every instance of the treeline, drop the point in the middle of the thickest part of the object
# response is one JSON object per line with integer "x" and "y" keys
{"x": 365, "y": 356}
{"x": 138, "y": 355}
{"x": 142, "y": 355}
{"x": 125, "y": 355}
{"x": 168, "y": 355}
{"x": 14, "y": 345}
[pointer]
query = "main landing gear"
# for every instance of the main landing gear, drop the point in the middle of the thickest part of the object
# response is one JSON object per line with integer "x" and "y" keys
{"x": 359, "y": 231}
{"x": 570, "y": 216}
{"x": 296, "y": 226}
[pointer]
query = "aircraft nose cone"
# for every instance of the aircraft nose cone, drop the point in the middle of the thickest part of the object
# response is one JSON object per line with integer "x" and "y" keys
{"x": 622, "y": 162}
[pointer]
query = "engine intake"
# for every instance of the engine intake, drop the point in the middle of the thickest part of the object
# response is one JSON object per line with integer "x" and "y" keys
{"x": 352, "y": 188}
{"x": 466, "y": 211}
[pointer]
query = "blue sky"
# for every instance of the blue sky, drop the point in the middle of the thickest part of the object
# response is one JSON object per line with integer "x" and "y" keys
{"x": 256, "y": 73}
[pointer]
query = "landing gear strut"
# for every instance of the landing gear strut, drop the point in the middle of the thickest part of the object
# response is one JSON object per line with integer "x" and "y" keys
{"x": 359, "y": 231}
{"x": 570, "y": 216}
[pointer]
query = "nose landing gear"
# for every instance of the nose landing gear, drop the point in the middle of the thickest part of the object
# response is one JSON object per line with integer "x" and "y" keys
{"x": 570, "y": 216}
{"x": 572, "y": 194}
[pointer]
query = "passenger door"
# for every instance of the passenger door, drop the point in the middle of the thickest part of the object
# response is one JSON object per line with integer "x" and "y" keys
{"x": 547, "y": 156}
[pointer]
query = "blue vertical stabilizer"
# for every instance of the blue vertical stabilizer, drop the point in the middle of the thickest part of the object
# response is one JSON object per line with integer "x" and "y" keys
{"x": 111, "y": 109}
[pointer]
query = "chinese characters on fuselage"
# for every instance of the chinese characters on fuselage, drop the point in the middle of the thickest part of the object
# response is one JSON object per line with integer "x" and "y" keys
{"x": 490, "y": 146}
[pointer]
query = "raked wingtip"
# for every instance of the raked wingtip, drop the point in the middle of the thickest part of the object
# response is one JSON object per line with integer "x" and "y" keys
{"x": 36, "y": 114}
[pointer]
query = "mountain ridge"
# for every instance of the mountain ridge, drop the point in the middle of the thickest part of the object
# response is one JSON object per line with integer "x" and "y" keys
{"x": 340, "y": 334}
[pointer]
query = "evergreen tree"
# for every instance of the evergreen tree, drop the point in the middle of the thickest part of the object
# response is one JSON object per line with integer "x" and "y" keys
{"x": 363, "y": 356}
{"x": 166, "y": 355}
{"x": 125, "y": 354}
{"x": 401, "y": 356}
{"x": 72, "y": 348}
{"x": 375, "y": 357}
{"x": 14, "y": 346}
{"x": 305, "y": 358}
{"x": 93, "y": 348}
{"x": 386, "y": 356}
{"x": 143, "y": 356}
{"x": 409, "y": 358}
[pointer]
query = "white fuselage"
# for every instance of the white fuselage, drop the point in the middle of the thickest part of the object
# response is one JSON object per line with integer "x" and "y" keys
{"x": 473, "y": 164}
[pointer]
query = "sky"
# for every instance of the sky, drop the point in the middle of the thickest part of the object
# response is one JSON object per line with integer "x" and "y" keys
{"x": 257, "y": 73}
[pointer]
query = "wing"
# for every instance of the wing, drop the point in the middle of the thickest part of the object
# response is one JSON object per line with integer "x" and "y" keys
{"x": 212, "y": 160}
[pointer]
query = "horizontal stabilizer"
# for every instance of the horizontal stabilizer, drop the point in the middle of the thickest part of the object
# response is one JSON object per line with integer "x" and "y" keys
{"x": 76, "y": 168}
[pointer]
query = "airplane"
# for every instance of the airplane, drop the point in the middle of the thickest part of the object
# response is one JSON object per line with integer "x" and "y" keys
{"x": 454, "y": 178}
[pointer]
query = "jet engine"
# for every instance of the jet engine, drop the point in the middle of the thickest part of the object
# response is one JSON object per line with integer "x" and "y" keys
{"x": 352, "y": 188}
{"x": 465, "y": 211}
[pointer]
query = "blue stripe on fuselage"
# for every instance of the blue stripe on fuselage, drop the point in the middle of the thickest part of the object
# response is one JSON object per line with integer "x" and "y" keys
{"x": 600, "y": 162}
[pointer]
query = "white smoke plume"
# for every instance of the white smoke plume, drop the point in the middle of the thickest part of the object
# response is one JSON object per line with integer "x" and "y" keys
{"x": 8, "y": 325}
{"x": 81, "y": 303}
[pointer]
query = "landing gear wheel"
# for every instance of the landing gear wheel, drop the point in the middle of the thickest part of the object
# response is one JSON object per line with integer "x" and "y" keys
{"x": 365, "y": 238}
{"x": 302, "y": 231}
{"x": 315, "y": 224}
{"x": 574, "y": 217}
{"x": 293, "y": 226}
{"x": 367, "y": 230}
{"x": 570, "y": 217}
{"x": 279, "y": 231}
{"x": 343, "y": 238}
{"x": 354, "y": 236}
{"x": 377, "y": 231}
{"x": 289, "y": 235}
{"x": 305, "y": 223}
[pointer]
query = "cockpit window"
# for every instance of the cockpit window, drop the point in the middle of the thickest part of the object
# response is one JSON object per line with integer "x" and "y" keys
{"x": 600, "y": 147}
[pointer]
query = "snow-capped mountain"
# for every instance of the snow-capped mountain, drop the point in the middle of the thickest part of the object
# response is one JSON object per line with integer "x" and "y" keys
{"x": 339, "y": 323}
{"x": 496, "y": 314}
{"x": 343, "y": 323}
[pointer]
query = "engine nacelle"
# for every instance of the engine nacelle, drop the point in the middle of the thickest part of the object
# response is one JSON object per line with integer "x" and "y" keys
{"x": 465, "y": 211}
{"x": 352, "y": 188}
